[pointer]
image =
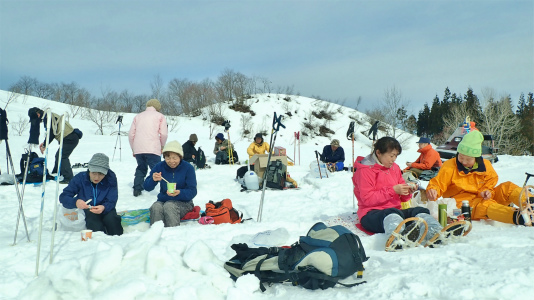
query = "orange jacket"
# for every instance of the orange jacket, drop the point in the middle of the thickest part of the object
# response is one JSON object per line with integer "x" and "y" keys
{"x": 452, "y": 183}
{"x": 429, "y": 158}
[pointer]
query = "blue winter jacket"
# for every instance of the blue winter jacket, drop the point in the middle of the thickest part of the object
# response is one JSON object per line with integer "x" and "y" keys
{"x": 330, "y": 156}
{"x": 184, "y": 176}
{"x": 80, "y": 187}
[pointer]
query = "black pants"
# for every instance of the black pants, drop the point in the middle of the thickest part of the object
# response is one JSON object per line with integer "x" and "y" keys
{"x": 374, "y": 220}
{"x": 69, "y": 143}
{"x": 109, "y": 223}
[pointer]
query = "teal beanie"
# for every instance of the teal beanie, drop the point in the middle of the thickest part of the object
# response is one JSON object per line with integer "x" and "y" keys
{"x": 471, "y": 144}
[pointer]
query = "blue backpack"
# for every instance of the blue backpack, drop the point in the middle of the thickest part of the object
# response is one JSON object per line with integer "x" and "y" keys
{"x": 318, "y": 260}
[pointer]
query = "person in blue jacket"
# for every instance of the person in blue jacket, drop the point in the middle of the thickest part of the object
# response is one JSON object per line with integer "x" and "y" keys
{"x": 172, "y": 206}
{"x": 333, "y": 155}
{"x": 99, "y": 185}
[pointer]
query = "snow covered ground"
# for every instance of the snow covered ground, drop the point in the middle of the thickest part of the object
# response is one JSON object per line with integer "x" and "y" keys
{"x": 495, "y": 261}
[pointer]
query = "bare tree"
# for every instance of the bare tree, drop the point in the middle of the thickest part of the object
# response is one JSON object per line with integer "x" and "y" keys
{"x": 157, "y": 87}
{"x": 44, "y": 90}
{"x": 11, "y": 97}
{"x": 172, "y": 122}
{"x": 499, "y": 120}
{"x": 246, "y": 125}
{"x": 21, "y": 125}
{"x": 101, "y": 118}
{"x": 391, "y": 103}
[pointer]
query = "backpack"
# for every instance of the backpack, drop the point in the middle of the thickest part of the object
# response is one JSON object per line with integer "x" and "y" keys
{"x": 276, "y": 175}
{"x": 318, "y": 260}
{"x": 24, "y": 159}
{"x": 200, "y": 159}
{"x": 223, "y": 212}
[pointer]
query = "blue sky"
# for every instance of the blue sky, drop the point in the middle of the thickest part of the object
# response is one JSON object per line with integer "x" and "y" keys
{"x": 339, "y": 50}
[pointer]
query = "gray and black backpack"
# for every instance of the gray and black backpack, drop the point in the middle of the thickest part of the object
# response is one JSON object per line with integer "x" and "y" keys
{"x": 276, "y": 175}
{"x": 318, "y": 260}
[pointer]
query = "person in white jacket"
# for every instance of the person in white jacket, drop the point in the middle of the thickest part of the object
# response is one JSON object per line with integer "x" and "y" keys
{"x": 147, "y": 136}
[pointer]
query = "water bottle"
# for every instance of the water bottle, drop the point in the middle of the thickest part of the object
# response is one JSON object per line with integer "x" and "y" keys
{"x": 466, "y": 210}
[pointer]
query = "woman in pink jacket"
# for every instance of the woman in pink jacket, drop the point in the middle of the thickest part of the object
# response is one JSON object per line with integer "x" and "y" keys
{"x": 380, "y": 189}
{"x": 147, "y": 136}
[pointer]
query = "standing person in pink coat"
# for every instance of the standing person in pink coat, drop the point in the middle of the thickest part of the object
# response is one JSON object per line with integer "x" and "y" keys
{"x": 147, "y": 136}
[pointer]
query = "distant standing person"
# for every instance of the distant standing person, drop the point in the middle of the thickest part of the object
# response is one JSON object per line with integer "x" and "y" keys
{"x": 147, "y": 137}
{"x": 190, "y": 152}
{"x": 71, "y": 137}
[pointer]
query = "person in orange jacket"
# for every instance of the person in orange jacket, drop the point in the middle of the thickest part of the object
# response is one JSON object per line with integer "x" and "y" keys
{"x": 428, "y": 159}
{"x": 470, "y": 177}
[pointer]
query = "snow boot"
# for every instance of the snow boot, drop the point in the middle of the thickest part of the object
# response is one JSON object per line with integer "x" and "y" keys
{"x": 450, "y": 233}
{"x": 408, "y": 234}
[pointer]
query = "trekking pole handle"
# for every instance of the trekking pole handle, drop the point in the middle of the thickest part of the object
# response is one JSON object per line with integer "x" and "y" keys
{"x": 277, "y": 122}
{"x": 528, "y": 177}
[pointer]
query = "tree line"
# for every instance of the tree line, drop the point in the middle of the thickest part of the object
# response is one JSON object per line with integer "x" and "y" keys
{"x": 512, "y": 128}
{"x": 494, "y": 114}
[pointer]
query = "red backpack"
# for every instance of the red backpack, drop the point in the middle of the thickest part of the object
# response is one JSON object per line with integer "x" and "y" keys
{"x": 223, "y": 212}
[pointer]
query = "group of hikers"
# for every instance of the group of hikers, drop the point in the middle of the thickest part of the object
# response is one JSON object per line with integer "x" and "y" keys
{"x": 378, "y": 181}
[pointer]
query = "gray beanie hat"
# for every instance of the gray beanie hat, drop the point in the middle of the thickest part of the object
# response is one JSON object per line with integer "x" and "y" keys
{"x": 99, "y": 163}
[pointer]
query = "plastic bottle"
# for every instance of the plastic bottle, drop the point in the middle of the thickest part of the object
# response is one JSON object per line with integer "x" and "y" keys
{"x": 251, "y": 181}
{"x": 466, "y": 210}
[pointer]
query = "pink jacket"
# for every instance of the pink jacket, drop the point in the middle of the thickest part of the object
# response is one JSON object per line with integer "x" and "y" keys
{"x": 373, "y": 185}
{"x": 148, "y": 132}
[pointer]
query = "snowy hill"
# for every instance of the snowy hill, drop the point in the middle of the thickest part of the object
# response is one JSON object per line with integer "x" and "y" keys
{"x": 493, "y": 262}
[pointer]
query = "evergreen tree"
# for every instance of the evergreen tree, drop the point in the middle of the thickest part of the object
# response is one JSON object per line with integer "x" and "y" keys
{"x": 525, "y": 112}
{"x": 455, "y": 100}
{"x": 423, "y": 122}
{"x": 473, "y": 106}
{"x": 435, "y": 119}
{"x": 411, "y": 124}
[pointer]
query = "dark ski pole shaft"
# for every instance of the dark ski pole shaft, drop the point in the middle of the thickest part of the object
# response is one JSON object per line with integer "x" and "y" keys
{"x": 318, "y": 165}
{"x": 350, "y": 136}
{"x": 277, "y": 122}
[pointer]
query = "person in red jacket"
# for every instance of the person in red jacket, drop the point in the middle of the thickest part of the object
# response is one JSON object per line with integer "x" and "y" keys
{"x": 428, "y": 160}
{"x": 380, "y": 189}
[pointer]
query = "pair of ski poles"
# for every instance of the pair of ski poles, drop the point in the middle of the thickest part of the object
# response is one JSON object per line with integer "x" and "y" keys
{"x": 277, "y": 122}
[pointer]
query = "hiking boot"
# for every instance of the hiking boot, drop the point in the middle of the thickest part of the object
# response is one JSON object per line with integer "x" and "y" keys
{"x": 64, "y": 181}
{"x": 136, "y": 193}
{"x": 452, "y": 232}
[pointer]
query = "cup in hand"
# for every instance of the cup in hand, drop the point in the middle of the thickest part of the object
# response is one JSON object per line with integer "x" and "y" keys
{"x": 171, "y": 187}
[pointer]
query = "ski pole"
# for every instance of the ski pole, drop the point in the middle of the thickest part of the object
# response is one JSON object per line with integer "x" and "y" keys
{"x": 277, "y": 122}
{"x": 48, "y": 129}
{"x": 57, "y": 187}
{"x": 19, "y": 195}
{"x": 298, "y": 138}
{"x": 21, "y": 210}
{"x": 318, "y": 165}
{"x": 526, "y": 180}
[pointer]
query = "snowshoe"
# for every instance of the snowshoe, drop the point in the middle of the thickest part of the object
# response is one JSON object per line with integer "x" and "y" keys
{"x": 450, "y": 233}
{"x": 410, "y": 237}
{"x": 526, "y": 205}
